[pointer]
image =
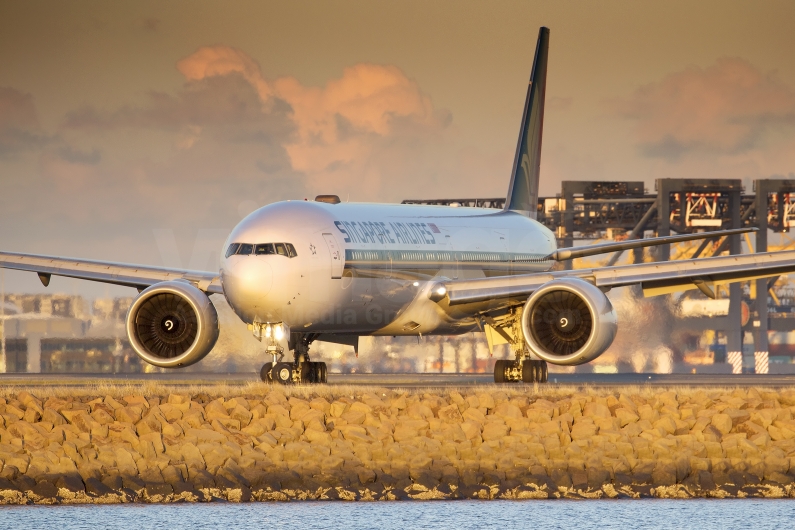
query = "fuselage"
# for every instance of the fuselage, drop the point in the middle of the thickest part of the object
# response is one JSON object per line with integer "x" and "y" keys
{"x": 367, "y": 268}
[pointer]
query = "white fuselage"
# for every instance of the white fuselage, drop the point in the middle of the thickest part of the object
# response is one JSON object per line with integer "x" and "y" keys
{"x": 367, "y": 268}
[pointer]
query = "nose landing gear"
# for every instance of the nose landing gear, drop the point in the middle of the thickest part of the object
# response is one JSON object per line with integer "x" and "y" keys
{"x": 300, "y": 371}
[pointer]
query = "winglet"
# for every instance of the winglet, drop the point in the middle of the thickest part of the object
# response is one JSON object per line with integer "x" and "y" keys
{"x": 523, "y": 190}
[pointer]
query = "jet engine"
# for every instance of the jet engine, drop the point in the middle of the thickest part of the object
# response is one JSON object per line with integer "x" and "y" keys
{"x": 568, "y": 321}
{"x": 172, "y": 324}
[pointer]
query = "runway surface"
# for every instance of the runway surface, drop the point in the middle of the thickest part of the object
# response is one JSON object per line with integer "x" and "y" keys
{"x": 401, "y": 380}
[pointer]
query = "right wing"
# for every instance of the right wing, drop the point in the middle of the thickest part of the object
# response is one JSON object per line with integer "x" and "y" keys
{"x": 129, "y": 275}
{"x": 562, "y": 254}
{"x": 654, "y": 278}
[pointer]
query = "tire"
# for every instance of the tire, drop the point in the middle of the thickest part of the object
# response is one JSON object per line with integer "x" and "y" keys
{"x": 307, "y": 372}
{"x": 322, "y": 372}
{"x": 499, "y": 371}
{"x": 529, "y": 372}
{"x": 265, "y": 373}
{"x": 313, "y": 374}
{"x": 544, "y": 372}
{"x": 282, "y": 373}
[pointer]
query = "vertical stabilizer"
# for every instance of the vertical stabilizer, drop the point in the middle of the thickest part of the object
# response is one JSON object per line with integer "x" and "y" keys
{"x": 523, "y": 190}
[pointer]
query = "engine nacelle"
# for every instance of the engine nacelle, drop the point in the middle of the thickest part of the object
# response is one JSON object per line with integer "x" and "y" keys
{"x": 568, "y": 322}
{"x": 172, "y": 324}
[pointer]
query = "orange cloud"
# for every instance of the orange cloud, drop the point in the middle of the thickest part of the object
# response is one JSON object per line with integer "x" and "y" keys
{"x": 339, "y": 125}
{"x": 727, "y": 108}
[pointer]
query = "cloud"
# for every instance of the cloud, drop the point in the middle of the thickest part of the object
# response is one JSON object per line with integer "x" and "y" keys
{"x": 340, "y": 127}
{"x": 19, "y": 124}
{"x": 728, "y": 108}
{"x": 151, "y": 24}
{"x": 76, "y": 156}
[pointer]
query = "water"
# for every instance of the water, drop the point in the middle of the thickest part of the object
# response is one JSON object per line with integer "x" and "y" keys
{"x": 458, "y": 515}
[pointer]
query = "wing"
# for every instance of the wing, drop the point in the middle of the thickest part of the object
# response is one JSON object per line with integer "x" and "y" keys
{"x": 138, "y": 276}
{"x": 654, "y": 278}
{"x": 603, "y": 248}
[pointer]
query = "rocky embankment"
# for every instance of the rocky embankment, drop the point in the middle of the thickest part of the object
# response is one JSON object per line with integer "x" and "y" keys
{"x": 154, "y": 445}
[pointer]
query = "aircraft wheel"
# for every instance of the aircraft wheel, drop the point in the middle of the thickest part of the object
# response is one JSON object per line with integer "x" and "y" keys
{"x": 265, "y": 373}
{"x": 499, "y": 370}
{"x": 544, "y": 370}
{"x": 282, "y": 373}
{"x": 321, "y": 373}
{"x": 312, "y": 373}
{"x": 305, "y": 372}
{"x": 529, "y": 372}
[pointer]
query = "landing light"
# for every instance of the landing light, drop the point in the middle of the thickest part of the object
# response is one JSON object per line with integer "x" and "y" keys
{"x": 416, "y": 284}
{"x": 438, "y": 292}
{"x": 278, "y": 332}
{"x": 268, "y": 331}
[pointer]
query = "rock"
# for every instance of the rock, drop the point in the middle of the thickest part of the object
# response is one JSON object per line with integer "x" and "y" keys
{"x": 70, "y": 482}
{"x": 158, "y": 492}
{"x": 626, "y": 416}
{"x": 52, "y": 416}
{"x": 582, "y": 431}
{"x": 722, "y": 422}
{"x": 128, "y": 414}
{"x": 667, "y": 424}
{"x": 337, "y": 408}
{"x": 507, "y": 410}
{"x": 45, "y": 490}
{"x": 486, "y": 400}
{"x": 494, "y": 431}
{"x": 596, "y": 410}
{"x": 96, "y": 488}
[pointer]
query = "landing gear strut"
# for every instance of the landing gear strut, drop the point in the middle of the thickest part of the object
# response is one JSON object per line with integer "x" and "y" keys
{"x": 523, "y": 368}
{"x": 300, "y": 371}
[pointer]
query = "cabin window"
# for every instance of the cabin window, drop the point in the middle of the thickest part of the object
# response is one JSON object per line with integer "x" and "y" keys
{"x": 245, "y": 249}
{"x": 265, "y": 248}
{"x": 232, "y": 249}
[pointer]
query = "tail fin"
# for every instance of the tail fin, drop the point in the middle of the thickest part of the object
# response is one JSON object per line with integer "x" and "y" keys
{"x": 523, "y": 190}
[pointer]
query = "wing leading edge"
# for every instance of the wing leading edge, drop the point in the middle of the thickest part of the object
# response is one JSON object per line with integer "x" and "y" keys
{"x": 654, "y": 278}
{"x": 129, "y": 275}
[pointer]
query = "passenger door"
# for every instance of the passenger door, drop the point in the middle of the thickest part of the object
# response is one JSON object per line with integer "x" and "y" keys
{"x": 336, "y": 256}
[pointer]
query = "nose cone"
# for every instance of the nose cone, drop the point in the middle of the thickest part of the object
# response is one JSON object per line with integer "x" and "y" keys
{"x": 247, "y": 281}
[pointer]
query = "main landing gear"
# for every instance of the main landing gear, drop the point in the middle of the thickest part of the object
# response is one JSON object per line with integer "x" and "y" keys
{"x": 300, "y": 371}
{"x": 524, "y": 370}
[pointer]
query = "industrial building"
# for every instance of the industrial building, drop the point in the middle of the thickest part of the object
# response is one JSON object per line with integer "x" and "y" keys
{"x": 65, "y": 334}
{"x": 748, "y": 332}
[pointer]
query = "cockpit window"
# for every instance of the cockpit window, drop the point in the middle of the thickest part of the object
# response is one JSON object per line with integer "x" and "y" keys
{"x": 262, "y": 249}
{"x": 265, "y": 248}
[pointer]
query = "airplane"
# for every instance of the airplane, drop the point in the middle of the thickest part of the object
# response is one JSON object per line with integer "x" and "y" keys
{"x": 302, "y": 271}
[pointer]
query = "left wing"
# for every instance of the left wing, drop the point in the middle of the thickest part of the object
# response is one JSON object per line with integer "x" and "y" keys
{"x": 138, "y": 276}
{"x": 654, "y": 278}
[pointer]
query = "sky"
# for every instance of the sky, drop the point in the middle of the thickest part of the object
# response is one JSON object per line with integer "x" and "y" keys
{"x": 142, "y": 132}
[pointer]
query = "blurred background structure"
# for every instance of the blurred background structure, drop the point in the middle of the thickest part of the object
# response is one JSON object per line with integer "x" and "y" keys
{"x": 748, "y": 328}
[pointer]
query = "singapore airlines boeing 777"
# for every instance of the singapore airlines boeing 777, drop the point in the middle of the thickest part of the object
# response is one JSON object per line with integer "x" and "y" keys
{"x": 300, "y": 271}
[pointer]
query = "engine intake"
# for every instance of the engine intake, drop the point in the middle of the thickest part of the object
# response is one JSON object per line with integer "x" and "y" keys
{"x": 172, "y": 324}
{"x": 568, "y": 322}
